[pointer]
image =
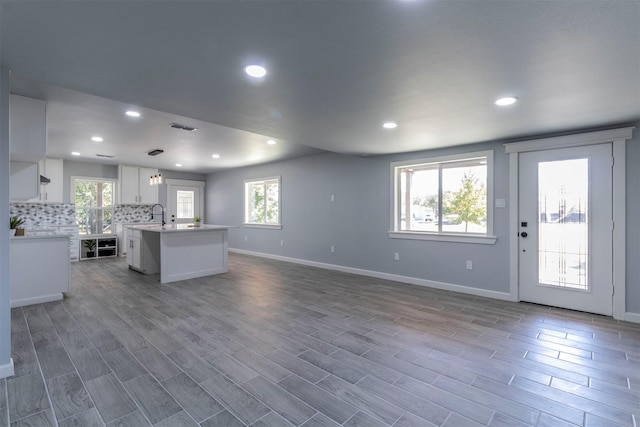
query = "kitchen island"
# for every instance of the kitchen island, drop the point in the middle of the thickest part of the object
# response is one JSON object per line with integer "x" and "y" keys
{"x": 178, "y": 251}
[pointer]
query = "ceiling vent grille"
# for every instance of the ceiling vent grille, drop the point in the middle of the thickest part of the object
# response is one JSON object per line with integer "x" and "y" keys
{"x": 104, "y": 155}
{"x": 155, "y": 152}
{"x": 182, "y": 127}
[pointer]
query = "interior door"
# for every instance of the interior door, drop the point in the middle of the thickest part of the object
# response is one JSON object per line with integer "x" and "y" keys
{"x": 184, "y": 203}
{"x": 566, "y": 233}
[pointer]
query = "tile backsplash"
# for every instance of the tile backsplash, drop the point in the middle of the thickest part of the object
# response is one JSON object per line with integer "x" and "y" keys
{"x": 42, "y": 214}
{"x": 132, "y": 213}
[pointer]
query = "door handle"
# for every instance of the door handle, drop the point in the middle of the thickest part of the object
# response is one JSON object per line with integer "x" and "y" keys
{"x": 524, "y": 234}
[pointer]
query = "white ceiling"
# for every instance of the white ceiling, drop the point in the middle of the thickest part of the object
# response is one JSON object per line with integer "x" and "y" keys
{"x": 337, "y": 71}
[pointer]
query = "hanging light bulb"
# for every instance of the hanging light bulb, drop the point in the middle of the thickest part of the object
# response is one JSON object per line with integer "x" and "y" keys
{"x": 151, "y": 182}
{"x": 159, "y": 178}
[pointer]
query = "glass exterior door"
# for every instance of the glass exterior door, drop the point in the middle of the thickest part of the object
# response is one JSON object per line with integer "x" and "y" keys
{"x": 566, "y": 246}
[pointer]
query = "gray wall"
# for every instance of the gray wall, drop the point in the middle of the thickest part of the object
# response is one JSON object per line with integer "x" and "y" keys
{"x": 358, "y": 221}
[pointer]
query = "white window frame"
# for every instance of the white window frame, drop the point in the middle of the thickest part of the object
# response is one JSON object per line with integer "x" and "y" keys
{"x": 247, "y": 216}
{"x": 447, "y": 236}
{"x": 114, "y": 183}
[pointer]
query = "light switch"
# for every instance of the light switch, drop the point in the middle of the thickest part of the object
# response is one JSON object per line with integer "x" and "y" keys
{"x": 501, "y": 203}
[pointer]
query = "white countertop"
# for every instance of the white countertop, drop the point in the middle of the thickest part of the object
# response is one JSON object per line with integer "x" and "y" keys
{"x": 170, "y": 228}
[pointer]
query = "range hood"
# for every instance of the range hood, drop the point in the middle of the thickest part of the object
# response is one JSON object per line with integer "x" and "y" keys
{"x": 44, "y": 180}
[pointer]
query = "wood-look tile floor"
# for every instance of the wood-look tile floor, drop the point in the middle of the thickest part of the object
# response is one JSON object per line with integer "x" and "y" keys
{"x": 277, "y": 344}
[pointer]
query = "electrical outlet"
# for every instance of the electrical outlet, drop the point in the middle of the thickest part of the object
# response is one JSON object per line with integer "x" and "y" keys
{"x": 333, "y": 248}
{"x": 246, "y": 239}
{"x": 396, "y": 256}
{"x": 281, "y": 242}
{"x": 333, "y": 198}
{"x": 469, "y": 265}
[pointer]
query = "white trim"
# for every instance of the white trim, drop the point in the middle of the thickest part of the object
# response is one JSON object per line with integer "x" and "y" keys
{"x": 395, "y": 233}
{"x": 444, "y": 237}
{"x": 616, "y": 137}
{"x": 36, "y": 300}
{"x": 619, "y": 229}
{"x": 7, "y": 370}
{"x": 629, "y": 317}
{"x": 185, "y": 182}
{"x": 386, "y": 276}
{"x": 246, "y": 202}
{"x": 514, "y": 242}
{"x": 574, "y": 140}
{"x": 258, "y": 225}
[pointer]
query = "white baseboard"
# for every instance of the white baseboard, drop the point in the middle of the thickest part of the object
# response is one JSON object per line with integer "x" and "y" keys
{"x": 387, "y": 276}
{"x": 36, "y": 300}
{"x": 6, "y": 370}
{"x": 630, "y": 317}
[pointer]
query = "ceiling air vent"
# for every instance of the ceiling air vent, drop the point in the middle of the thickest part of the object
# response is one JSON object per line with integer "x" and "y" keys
{"x": 182, "y": 127}
{"x": 107, "y": 156}
{"x": 155, "y": 152}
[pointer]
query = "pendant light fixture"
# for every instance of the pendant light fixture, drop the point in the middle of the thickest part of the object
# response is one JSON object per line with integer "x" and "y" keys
{"x": 155, "y": 179}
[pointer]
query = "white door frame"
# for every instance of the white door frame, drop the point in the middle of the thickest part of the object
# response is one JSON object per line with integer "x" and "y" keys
{"x": 171, "y": 182}
{"x": 618, "y": 138}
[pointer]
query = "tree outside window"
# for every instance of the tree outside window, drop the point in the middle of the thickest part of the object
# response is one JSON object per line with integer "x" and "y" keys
{"x": 262, "y": 201}
{"x": 447, "y": 195}
{"x": 94, "y": 200}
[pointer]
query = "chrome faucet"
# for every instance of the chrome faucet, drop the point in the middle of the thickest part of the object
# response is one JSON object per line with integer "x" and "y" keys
{"x": 153, "y": 214}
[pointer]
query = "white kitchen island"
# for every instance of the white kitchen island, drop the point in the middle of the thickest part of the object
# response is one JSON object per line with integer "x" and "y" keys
{"x": 178, "y": 251}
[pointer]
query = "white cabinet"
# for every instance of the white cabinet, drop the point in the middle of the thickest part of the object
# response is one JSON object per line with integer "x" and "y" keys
{"x": 133, "y": 249}
{"x": 51, "y": 192}
{"x": 39, "y": 269}
{"x": 72, "y": 232}
{"x": 134, "y": 185}
{"x": 24, "y": 180}
{"x": 27, "y": 129}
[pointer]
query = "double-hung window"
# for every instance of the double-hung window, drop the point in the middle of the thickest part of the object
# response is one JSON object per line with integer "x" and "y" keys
{"x": 444, "y": 198}
{"x": 94, "y": 199}
{"x": 262, "y": 202}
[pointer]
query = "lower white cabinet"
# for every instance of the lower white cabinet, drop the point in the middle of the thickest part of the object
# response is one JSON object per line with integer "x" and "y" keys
{"x": 72, "y": 232}
{"x": 39, "y": 269}
{"x": 133, "y": 249}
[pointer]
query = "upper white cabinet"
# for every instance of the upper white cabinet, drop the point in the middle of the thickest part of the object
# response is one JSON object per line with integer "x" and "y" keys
{"x": 27, "y": 129}
{"x": 24, "y": 181}
{"x": 51, "y": 192}
{"x": 134, "y": 185}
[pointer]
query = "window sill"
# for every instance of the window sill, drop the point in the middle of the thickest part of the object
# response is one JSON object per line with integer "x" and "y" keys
{"x": 254, "y": 225}
{"x": 444, "y": 237}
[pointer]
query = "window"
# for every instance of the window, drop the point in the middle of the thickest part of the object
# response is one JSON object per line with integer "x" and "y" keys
{"x": 262, "y": 202}
{"x": 444, "y": 198}
{"x": 185, "y": 202}
{"x": 94, "y": 200}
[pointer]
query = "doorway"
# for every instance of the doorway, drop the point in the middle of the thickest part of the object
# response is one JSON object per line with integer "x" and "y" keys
{"x": 566, "y": 241}
{"x": 185, "y": 200}
{"x": 568, "y": 230}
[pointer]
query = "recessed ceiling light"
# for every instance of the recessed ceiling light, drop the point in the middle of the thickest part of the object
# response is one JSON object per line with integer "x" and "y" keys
{"x": 256, "y": 71}
{"x": 271, "y": 142}
{"x": 215, "y": 156}
{"x": 179, "y": 165}
{"x": 97, "y": 138}
{"x": 390, "y": 125}
{"x": 75, "y": 153}
{"x": 509, "y": 100}
{"x": 132, "y": 113}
